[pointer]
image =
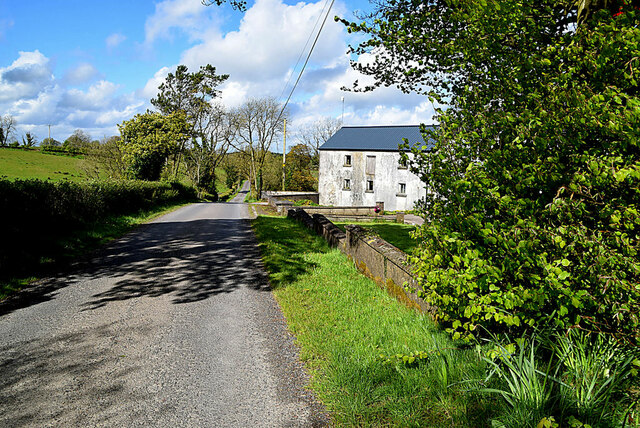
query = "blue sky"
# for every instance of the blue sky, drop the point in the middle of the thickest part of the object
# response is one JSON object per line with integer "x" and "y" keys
{"x": 93, "y": 64}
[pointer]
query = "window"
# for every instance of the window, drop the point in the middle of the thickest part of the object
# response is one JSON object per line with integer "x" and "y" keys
{"x": 347, "y": 160}
{"x": 402, "y": 190}
{"x": 369, "y": 186}
{"x": 371, "y": 165}
{"x": 346, "y": 184}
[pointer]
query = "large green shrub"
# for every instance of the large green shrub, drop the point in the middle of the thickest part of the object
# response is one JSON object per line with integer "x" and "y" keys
{"x": 534, "y": 203}
{"x": 37, "y": 214}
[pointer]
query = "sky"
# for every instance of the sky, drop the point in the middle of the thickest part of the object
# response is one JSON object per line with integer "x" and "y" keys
{"x": 91, "y": 64}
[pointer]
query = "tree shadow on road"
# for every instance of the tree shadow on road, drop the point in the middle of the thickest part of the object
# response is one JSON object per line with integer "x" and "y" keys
{"x": 190, "y": 261}
{"x": 55, "y": 380}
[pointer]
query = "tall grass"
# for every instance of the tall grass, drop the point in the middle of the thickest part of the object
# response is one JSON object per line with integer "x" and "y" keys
{"x": 353, "y": 337}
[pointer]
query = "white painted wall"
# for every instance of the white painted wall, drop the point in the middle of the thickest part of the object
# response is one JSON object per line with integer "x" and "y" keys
{"x": 386, "y": 180}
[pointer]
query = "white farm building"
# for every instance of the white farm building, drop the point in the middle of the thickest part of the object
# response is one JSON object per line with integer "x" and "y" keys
{"x": 360, "y": 166}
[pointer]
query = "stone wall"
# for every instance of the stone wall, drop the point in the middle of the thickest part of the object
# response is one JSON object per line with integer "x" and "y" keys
{"x": 373, "y": 256}
{"x": 273, "y": 197}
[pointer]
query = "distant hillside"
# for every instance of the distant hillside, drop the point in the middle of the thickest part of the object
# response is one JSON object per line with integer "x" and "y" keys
{"x": 23, "y": 164}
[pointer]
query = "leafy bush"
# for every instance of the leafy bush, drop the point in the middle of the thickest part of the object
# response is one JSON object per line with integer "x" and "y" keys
{"x": 37, "y": 214}
{"x": 533, "y": 214}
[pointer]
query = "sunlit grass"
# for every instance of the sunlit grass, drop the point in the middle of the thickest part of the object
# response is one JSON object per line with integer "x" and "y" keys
{"x": 26, "y": 164}
{"x": 349, "y": 331}
{"x": 397, "y": 234}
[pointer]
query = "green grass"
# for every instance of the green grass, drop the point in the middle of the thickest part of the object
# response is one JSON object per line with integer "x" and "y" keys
{"x": 397, "y": 234}
{"x": 25, "y": 164}
{"x": 83, "y": 241}
{"x": 350, "y": 331}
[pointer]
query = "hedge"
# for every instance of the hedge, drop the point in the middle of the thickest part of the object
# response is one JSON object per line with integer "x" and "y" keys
{"x": 36, "y": 214}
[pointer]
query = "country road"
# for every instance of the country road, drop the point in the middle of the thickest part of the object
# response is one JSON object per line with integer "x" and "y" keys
{"x": 172, "y": 325}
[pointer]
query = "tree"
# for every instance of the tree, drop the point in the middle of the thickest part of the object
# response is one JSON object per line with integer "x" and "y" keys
{"x": 50, "y": 142}
{"x": 78, "y": 141}
{"x": 300, "y": 163}
{"x": 533, "y": 216}
{"x": 317, "y": 133}
{"x": 147, "y": 141}
{"x": 193, "y": 95}
{"x": 7, "y": 128}
{"x": 105, "y": 159}
{"x": 29, "y": 140}
{"x": 258, "y": 123}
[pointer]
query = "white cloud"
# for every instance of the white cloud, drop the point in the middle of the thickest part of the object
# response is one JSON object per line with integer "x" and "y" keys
{"x": 268, "y": 42}
{"x": 174, "y": 14}
{"x": 30, "y": 92}
{"x": 150, "y": 89}
{"x": 97, "y": 97}
{"x": 26, "y": 77}
{"x": 114, "y": 40}
{"x": 82, "y": 73}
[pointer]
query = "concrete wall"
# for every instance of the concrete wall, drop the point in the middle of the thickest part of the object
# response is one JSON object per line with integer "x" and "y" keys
{"x": 373, "y": 256}
{"x": 387, "y": 177}
{"x": 273, "y": 197}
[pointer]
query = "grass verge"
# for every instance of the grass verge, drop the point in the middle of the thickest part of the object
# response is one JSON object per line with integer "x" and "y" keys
{"x": 353, "y": 338}
{"x": 83, "y": 241}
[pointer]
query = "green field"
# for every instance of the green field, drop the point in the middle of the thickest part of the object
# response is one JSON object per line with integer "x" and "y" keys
{"x": 24, "y": 164}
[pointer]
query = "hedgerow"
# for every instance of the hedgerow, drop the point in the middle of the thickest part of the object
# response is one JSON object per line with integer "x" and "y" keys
{"x": 36, "y": 214}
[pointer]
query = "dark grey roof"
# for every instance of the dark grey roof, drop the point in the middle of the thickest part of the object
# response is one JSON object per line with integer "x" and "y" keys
{"x": 374, "y": 138}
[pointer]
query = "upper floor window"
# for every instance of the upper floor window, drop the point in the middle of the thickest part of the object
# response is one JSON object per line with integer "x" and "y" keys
{"x": 346, "y": 184}
{"x": 347, "y": 160}
{"x": 371, "y": 165}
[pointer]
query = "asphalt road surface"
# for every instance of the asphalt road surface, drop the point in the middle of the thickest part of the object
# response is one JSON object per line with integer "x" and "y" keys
{"x": 172, "y": 325}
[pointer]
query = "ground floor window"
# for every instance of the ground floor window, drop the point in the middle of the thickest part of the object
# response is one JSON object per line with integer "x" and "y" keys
{"x": 346, "y": 184}
{"x": 369, "y": 185}
{"x": 403, "y": 188}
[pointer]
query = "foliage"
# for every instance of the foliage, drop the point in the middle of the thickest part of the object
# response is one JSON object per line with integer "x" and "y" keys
{"x": 210, "y": 130}
{"x": 572, "y": 379}
{"x": 49, "y": 142}
{"x": 147, "y": 141}
{"x": 38, "y": 214}
{"x": 78, "y": 141}
{"x": 105, "y": 159}
{"x": 598, "y": 377}
{"x": 299, "y": 165}
{"x": 29, "y": 140}
{"x": 526, "y": 386}
{"x": 533, "y": 215}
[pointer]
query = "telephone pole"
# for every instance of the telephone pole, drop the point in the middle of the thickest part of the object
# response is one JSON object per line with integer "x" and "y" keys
{"x": 284, "y": 153}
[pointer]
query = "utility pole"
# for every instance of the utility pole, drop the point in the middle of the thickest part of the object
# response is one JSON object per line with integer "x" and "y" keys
{"x": 284, "y": 152}
{"x": 49, "y": 134}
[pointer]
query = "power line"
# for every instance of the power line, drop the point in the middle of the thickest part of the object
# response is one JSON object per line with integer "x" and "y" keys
{"x": 306, "y": 61}
{"x": 304, "y": 48}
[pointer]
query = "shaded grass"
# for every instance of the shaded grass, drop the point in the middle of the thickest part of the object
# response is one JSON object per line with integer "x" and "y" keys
{"x": 78, "y": 243}
{"x": 25, "y": 164}
{"x": 397, "y": 234}
{"x": 350, "y": 331}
